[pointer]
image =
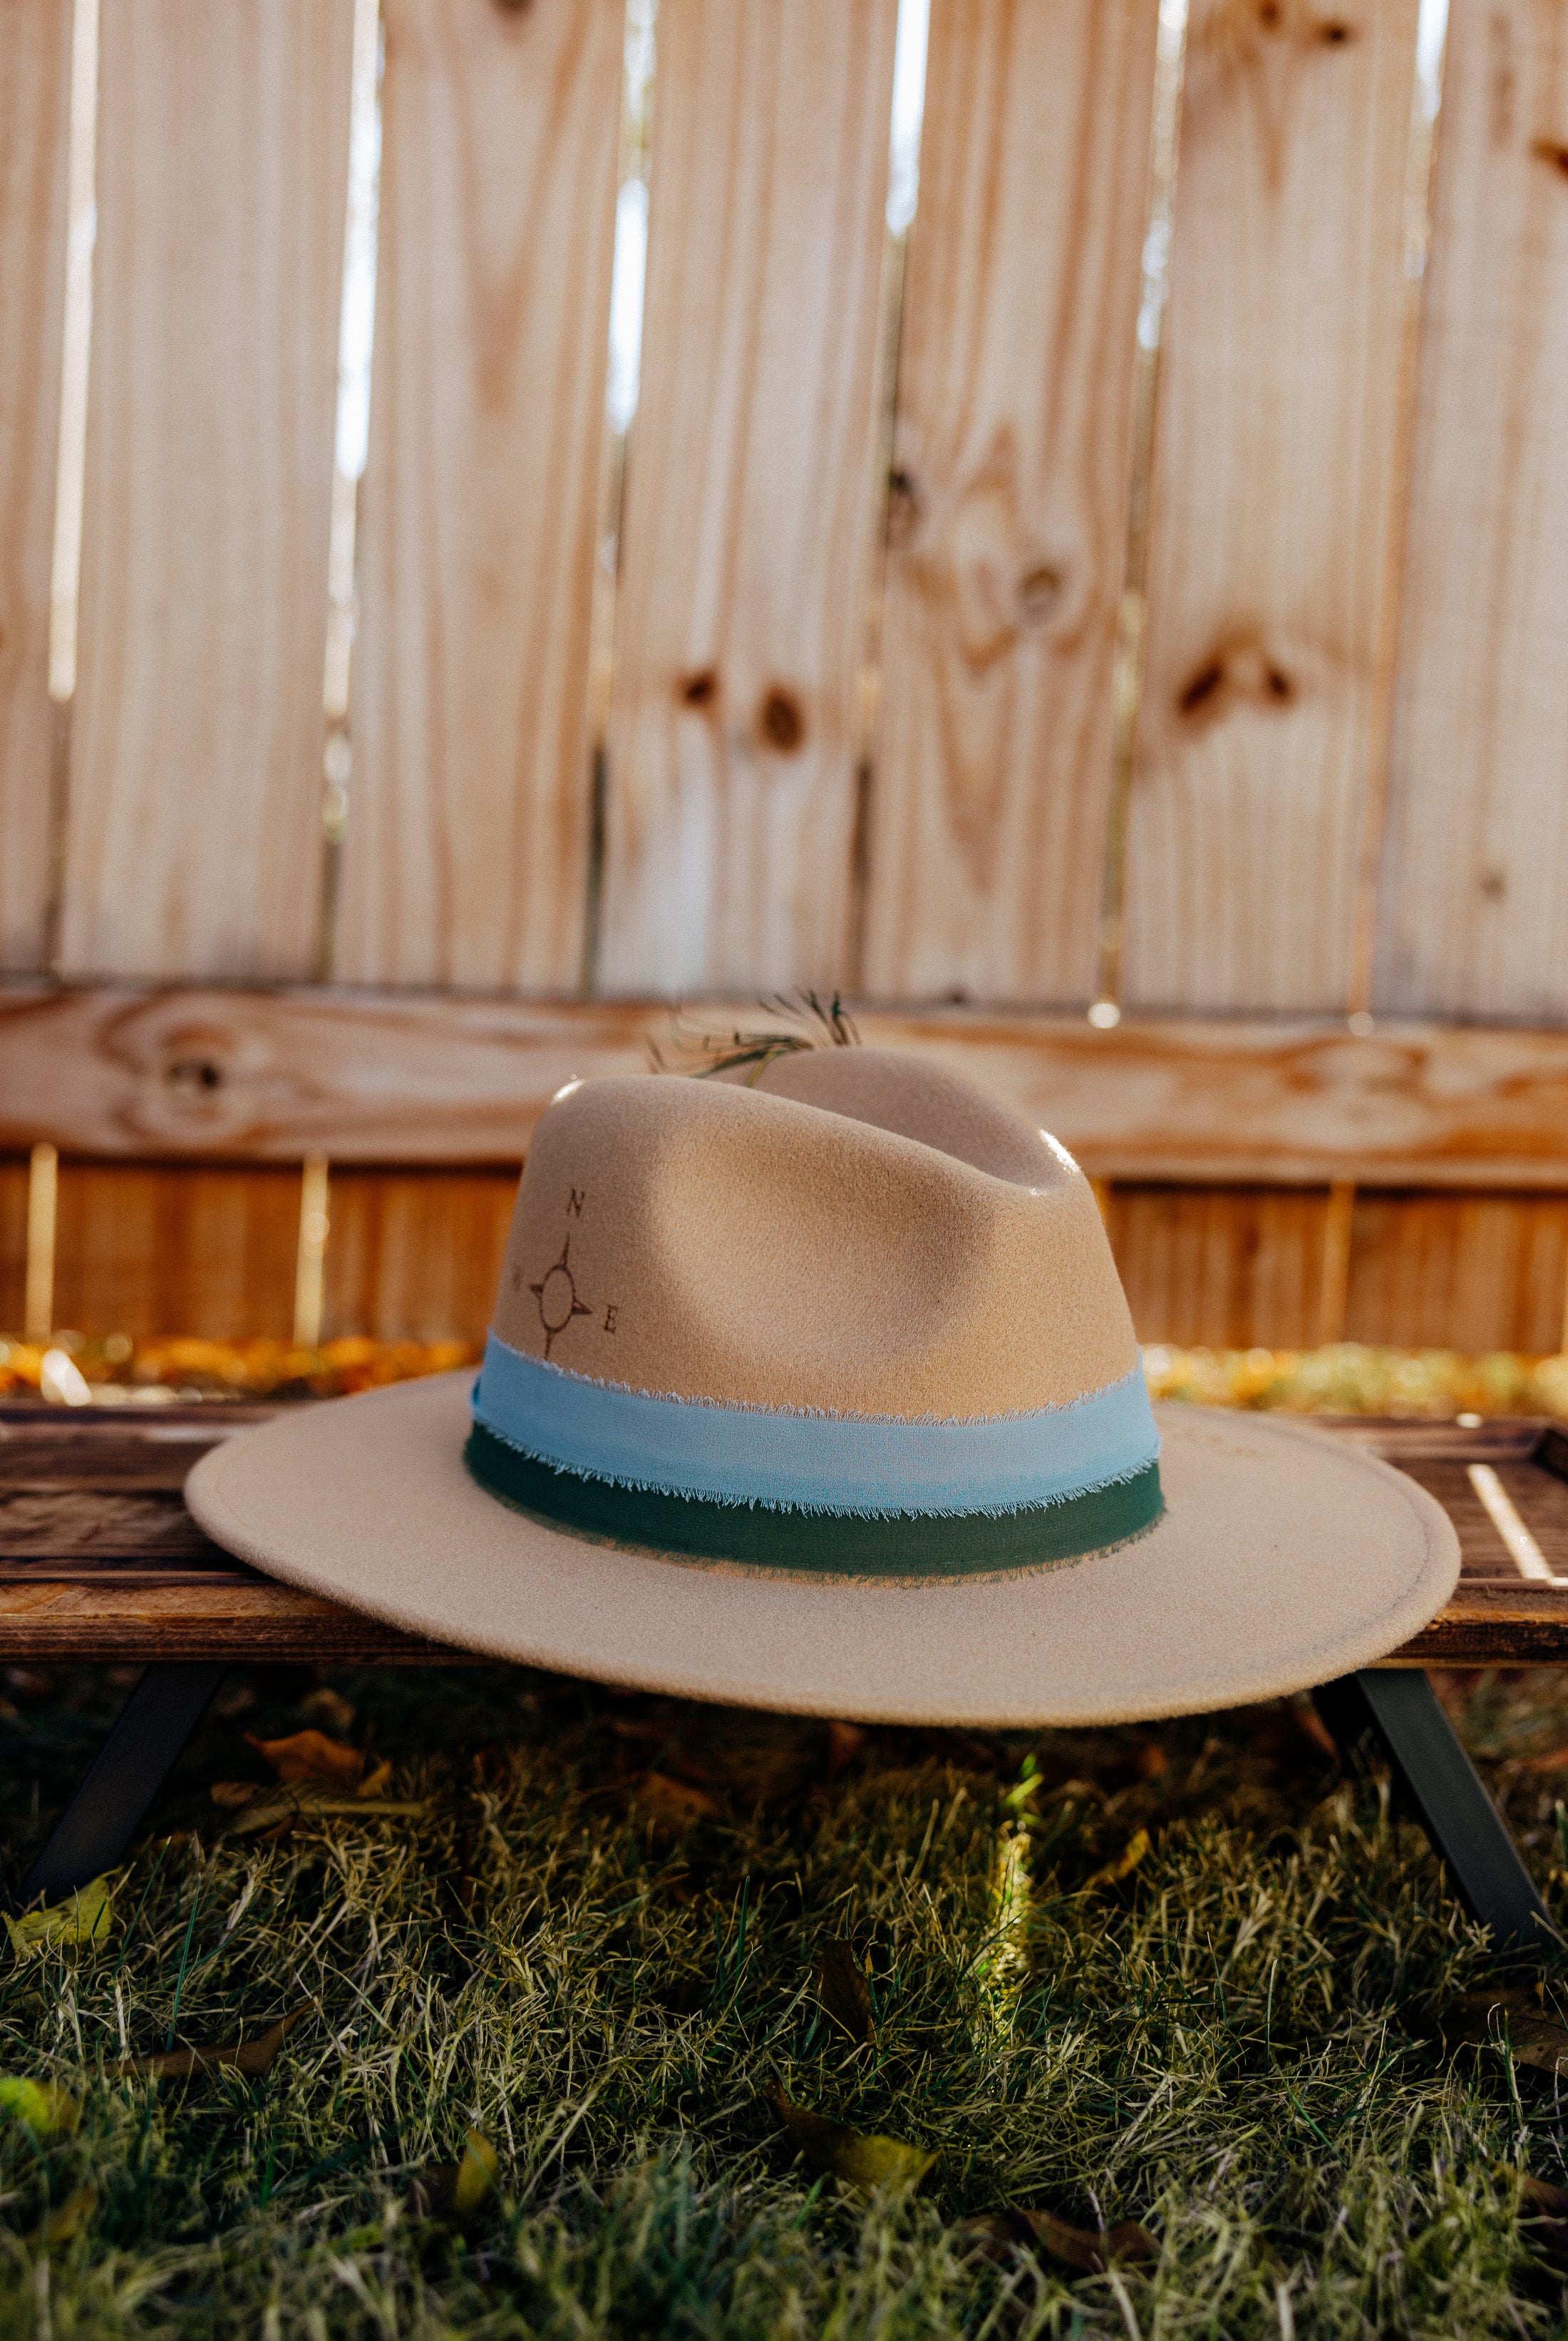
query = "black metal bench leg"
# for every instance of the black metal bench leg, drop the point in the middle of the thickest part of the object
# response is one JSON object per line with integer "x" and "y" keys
{"x": 92, "y": 1834}
{"x": 1399, "y": 1706}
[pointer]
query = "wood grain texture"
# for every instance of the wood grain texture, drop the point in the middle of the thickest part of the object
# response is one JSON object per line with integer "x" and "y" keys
{"x": 240, "y": 1622}
{"x": 176, "y": 1249}
{"x": 194, "y": 841}
{"x": 93, "y": 1527}
{"x": 416, "y": 1255}
{"x": 1271, "y": 500}
{"x": 1470, "y": 1272}
{"x": 1539, "y": 1499}
{"x": 13, "y": 1243}
{"x": 1220, "y": 1268}
{"x": 1475, "y": 895}
{"x": 749, "y": 497}
{"x": 466, "y": 857}
{"x": 35, "y": 122}
{"x": 367, "y": 1077}
{"x": 1008, "y": 526}
{"x": 81, "y": 1603}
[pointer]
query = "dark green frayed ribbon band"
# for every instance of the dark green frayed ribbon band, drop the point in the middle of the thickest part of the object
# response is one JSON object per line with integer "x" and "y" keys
{"x": 820, "y": 1544}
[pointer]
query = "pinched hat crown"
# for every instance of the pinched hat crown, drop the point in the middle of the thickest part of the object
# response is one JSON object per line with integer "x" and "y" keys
{"x": 854, "y": 1316}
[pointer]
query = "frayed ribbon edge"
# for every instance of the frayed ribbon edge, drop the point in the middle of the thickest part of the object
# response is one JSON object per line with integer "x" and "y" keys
{"x": 1134, "y": 1376}
{"x": 822, "y": 1511}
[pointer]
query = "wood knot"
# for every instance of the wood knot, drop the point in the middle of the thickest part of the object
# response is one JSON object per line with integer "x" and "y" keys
{"x": 1494, "y": 884}
{"x": 1040, "y": 591}
{"x": 779, "y": 720}
{"x": 699, "y": 690}
{"x": 1268, "y": 16}
{"x": 514, "y": 7}
{"x": 1202, "y": 686}
{"x": 192, "y": 1076}
{"x": 1551, "y": 152}
{"x": 903, "y": 508}
{"x": 1239, "y": 671}
{"x": 1336, "y": 34}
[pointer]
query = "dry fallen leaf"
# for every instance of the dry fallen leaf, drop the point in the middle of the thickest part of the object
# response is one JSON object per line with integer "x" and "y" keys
{"x": 83, "y": 1917}
{"x": 68, "y": 2217}
{"x": 1482, "y": 2019}
{"x": 44, "y": 2108}
{"x": 454, "y": 2190}
{"x": 1126, "y": 1862}
{"x": 253, "y": 2057}
{"x": 674, "y": 1800}
{"x": 277, "y": 1808}
{"x": 1543, "y": 2211}
{"x": 1090, "y": 2250}
{"x": 845, "y": 1741}
{"x": 861, "y": 2162}
{"x": 311, "y": 1756}
{"x": 1542, "y": 2199}
{"x": 842, "y": 1989}
{"x": 230, "y": 1795}
{"x": 1310, "y": 1726}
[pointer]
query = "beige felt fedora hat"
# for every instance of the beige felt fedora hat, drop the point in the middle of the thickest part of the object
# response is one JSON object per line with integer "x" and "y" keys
{"x": 817, "y": 1391}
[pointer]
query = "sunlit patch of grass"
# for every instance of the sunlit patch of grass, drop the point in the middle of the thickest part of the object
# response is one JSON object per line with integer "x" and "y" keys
{"x": 1234, "y": 2043}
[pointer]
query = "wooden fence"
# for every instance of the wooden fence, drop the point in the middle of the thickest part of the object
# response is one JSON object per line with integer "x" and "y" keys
{"x": 926, "y": 636}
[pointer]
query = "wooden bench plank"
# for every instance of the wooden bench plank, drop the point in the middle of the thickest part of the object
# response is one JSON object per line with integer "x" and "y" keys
{"x": 99, "y": 1560}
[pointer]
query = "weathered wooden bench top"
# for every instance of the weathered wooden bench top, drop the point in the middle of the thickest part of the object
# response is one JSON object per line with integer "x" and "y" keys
{"x": 99, "y": 1560}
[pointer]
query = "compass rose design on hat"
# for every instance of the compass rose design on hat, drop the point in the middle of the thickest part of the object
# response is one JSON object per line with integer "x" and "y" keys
{"x": 557, "y": 1295}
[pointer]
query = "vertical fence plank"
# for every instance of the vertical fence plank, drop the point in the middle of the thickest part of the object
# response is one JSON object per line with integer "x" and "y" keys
{"x": 35, "y": 119}
{"x": 416, "y": 1255}
{"x": 466, "y": 859}
{"x": 169, "y": 1248}
{"x": 195, "y": 836}
{"x": 1273, "y": 497}
{"x": 1475, "y": 900}
{"x": 749, "y": 497}
{"x": 1226, "y": 1267}
{"x": 1470, "y": 1272}
{"x": 13, "y": 1243}
{"x": 1010, "y": 515}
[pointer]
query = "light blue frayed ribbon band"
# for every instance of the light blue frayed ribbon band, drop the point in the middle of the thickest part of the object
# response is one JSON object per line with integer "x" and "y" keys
{"x": 861, "y": 1465}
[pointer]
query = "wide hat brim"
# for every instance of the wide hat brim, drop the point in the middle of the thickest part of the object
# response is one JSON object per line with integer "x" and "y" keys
{"x": 1284, "y": 1559}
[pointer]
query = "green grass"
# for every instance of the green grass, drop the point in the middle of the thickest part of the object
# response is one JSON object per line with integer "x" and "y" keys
{"x": 1236, "y": 2044}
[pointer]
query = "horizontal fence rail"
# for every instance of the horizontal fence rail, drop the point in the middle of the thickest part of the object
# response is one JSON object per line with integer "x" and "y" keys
{"x": 389, "y": 1077}
{"x": 1263, "y": 1181}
